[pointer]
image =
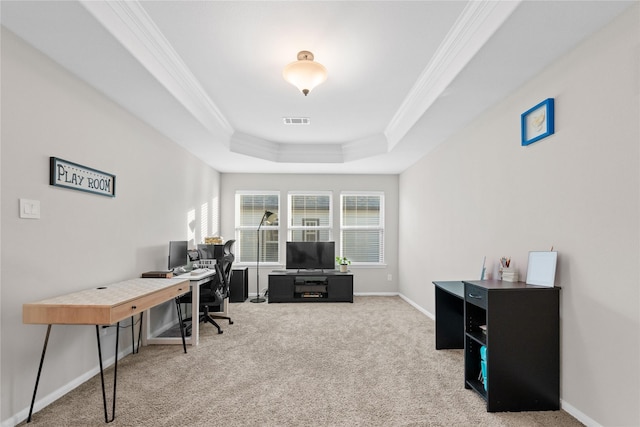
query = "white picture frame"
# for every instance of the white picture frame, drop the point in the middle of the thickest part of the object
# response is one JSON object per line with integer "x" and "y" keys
{"x": 541, "y": 270}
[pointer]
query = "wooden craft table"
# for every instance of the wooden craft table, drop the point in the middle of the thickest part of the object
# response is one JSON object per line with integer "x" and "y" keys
{"x": 103, "y": 305}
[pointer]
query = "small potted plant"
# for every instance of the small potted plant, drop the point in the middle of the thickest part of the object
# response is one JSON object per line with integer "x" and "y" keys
{"x": 343, "y": 262}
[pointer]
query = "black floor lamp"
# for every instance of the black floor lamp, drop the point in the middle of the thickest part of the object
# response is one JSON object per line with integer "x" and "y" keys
{"x": 269, "y": 218}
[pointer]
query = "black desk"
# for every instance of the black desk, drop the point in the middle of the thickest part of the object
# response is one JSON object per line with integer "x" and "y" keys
{"x": 515, "y": 327}
{"x": 449, "y": 315}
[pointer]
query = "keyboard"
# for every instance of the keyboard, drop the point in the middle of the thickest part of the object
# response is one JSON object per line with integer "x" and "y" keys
{"x": 199, "y": 271}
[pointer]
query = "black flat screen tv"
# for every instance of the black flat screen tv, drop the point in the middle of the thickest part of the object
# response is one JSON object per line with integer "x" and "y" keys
{"x": 177, "y": 254}
{"x": 311, "y": 255}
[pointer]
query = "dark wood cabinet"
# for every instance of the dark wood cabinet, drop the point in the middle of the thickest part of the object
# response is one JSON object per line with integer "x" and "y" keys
{"x": 519, "y": 327}
{"x": 310, "y": 287}
{"x": 239, "y": 286}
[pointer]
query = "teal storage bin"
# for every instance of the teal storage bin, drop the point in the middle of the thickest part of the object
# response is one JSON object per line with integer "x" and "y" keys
{"x": 483, "y": 365}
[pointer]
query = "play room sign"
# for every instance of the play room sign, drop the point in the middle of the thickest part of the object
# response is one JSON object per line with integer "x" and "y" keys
{"x": 77, "y": 177}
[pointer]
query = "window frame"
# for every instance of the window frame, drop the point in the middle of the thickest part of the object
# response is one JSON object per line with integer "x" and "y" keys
{"x": 381, "y": 227}
{"x": 291, "y": 228}
{"x": 238, "y": 228}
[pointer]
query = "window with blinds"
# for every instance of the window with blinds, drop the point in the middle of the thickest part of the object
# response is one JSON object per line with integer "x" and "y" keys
{"x": 250, "y": 208}
{"x": 310, "y": 217}
{"x": 362, "y": 227}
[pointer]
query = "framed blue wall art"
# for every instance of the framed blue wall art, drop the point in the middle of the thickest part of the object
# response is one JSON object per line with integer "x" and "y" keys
{"x": 537, "y": 122}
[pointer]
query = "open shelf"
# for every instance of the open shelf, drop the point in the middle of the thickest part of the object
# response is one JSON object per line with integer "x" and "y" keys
{"x": 478, "y": 387}
{"x": 479, "y": 337}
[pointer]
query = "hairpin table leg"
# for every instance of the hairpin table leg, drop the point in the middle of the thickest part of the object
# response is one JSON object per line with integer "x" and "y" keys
{"x": 140, "y": 329}
{"x": 133, "y": 337}
{"x": 35, "y": 389}
{"x": 184, "y": 343}
{"x": 115, "y": 375}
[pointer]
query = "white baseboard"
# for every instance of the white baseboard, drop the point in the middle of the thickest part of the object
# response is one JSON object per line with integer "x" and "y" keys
{"x": 165, "y": 327}
{"x": 579, "y": 415}
{"x": 393, "y": 294}
{"x": 375, "y": 294}
{"x": 58, "y": 393}
{"x": 417, "y": 307}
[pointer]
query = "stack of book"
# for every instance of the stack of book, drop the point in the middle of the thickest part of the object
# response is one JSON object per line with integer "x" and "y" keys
{"x": 509, "y": 274}
{"x": 164, "y": 274}
{"x": 213, "y": 240}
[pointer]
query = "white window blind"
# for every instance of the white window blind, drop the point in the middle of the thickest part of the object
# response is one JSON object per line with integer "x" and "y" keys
{"x": 362, "y": 227}
{"x": 310, "y": 217}
{"x": 250, "y": 208}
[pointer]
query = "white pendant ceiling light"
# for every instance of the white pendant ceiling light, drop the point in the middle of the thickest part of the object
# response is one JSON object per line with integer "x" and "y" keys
{"x": 305, "y": 74}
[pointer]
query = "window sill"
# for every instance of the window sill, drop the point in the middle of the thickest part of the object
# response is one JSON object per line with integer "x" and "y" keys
{"x": 358, "y": 266}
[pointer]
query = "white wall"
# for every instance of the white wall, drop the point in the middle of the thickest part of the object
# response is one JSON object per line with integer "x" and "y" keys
{"x": 482, "y": 194}
{"x": 373, "y": 280}
{"x": 82, "y": 240}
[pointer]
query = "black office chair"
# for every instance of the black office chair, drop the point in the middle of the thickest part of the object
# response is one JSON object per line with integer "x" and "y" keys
{"x": 214, "y": 293}
{"x": 219, "y": 291}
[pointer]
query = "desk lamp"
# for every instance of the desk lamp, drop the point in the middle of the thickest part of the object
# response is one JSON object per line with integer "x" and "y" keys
{"x": 269, "y": 218}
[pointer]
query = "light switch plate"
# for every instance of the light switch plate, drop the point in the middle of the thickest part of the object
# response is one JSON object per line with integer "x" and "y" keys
{"x": 29, "y": 209}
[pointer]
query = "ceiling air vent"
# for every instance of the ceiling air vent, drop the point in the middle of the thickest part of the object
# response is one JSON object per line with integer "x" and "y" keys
{"x": 296, "y": 120}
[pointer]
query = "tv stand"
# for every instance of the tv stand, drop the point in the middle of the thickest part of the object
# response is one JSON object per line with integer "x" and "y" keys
{"x": 310, "y": 286}
{"x": 306, "y": 271}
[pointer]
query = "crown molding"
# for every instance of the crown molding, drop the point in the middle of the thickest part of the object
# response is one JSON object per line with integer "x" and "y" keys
{"x": 249, "y": 145}
{"x": 130, "y": 24}
{"x": 476, "y": 24}
{"x": 310, "y": 153}
{"x": 365, "y": 147}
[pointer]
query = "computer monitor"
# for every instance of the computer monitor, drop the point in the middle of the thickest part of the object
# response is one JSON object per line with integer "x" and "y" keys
{"x": 193, "y": 255}
{"x": 208, "y": 251}
{"x": 177, "y": 254}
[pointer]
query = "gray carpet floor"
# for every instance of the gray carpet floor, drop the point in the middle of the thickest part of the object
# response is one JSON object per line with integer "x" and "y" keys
{"x": 370, "y": 363}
